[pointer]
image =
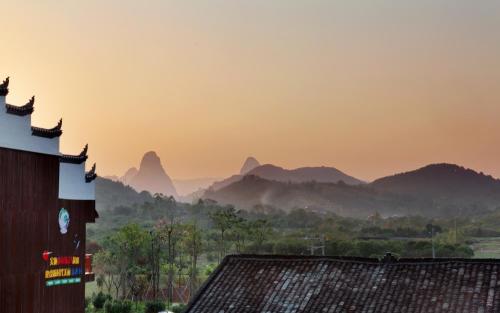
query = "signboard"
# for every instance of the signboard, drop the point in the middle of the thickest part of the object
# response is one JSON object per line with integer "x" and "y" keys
{"x": 62, "y": 270}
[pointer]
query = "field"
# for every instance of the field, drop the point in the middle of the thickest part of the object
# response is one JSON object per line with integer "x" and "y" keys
{"x": 486, "y": 247}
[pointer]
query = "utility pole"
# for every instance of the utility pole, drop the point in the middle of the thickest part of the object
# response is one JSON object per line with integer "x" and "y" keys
{"x": 456, "y": 230}
{"x": 432, "y": 241}
{"x": 321, "y": 245}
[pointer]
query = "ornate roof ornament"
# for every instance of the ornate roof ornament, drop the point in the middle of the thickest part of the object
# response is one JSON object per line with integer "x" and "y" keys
{"x": 76, "y": 159}
{"x": 26, "y": 109}
{"x": 4, "y": 87}
{"x": 90, "y": 175}
{"x": 389, "y": 258}
{"x": 47, "y": 133}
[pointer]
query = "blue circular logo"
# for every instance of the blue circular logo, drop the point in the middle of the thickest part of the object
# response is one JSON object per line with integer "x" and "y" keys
{"x": 63, "y": 221}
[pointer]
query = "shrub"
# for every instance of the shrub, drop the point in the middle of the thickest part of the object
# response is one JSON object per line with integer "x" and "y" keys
{"x": 100, "y": 299}
{"x": 154, "y": 307}
{"x": 179, "y": 308}
{"x": 115, "y": 306}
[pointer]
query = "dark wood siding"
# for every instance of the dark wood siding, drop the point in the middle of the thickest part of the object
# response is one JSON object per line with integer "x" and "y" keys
{"x": 29, "y": 208}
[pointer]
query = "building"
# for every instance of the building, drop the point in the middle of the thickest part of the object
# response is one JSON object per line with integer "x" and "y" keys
{"x": 275, "y": 284}
{"x": 46, "y": 199}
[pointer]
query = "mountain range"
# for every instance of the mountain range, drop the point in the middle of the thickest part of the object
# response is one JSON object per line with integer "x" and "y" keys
{"x": 303, "y": 174}
{"x": 434, "y": 190}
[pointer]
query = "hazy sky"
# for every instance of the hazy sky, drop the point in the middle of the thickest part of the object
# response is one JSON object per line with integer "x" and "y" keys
{"x": 370, "y": 87}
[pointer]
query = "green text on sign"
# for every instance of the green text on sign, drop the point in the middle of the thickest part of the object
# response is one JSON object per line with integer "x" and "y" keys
{"x": 65, "y": 281}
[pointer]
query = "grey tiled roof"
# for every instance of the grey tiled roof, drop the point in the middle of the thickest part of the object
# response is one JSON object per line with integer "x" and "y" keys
{"x": 249, "y": 283}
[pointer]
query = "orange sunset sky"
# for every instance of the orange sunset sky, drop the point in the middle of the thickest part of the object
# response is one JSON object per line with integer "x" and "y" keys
{"x": 370, "y": 87}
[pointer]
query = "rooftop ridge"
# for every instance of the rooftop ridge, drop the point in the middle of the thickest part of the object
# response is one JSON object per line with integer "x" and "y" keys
{"x": 23, "y": 110}
{"x": 48, "y": 132}
{"x": 381, "y": 261}
{"x": 76, "y": 159}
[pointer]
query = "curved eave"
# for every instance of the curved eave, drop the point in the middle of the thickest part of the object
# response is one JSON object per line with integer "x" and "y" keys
{"x": 73, "y": 159}
{"x": 90, "y": 175}
{"x": 26, "y": 109}
{"x": 46, "y": 133}
{"x": 20, "y": 111}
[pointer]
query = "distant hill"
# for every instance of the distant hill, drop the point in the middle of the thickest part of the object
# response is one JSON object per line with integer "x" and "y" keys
{"x": 250, "y": 164}
{"x": 298, "y": 175}
{"x": 110, "y": 194}
{"x": 444, "y": 182}
{"x": 186, "y": 187}
{"x": 304, "y": 174}
{"x": 129, "y": 174}
{"x": 152, "y": 177}
{"x": 435, "y": 190}
{"x": 360, "y": 200}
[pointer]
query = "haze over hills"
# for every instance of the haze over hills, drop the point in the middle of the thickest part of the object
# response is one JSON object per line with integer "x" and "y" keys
{"x": 186, "y": 187}
{"x": 129, "y": 174}
{"x": 298, "y": 175}
{"x": 304, "y": 174}
{"x": 441, "y": 182}
{"x": 434, "y": 190}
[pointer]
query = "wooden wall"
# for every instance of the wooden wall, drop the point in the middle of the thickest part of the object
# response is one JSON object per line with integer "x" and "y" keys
{"x": 29, "y": 209}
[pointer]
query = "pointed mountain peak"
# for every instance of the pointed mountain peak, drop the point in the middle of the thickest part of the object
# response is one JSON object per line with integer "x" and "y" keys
{"x": 129, "y": 174}
{"x": 250, "y": 164}
{"x": 150, "y": 159}
{"x": 152, "y": 177}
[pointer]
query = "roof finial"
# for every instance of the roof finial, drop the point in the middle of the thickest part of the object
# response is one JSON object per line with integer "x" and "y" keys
{"x": 91, "y": 175}
{"x": 59, "y": 125}
{"x": 4, "y": 87}
{"x": 31, "y": 102}
{"x": 389, "y": 258}
{"x": 84, "y": 151}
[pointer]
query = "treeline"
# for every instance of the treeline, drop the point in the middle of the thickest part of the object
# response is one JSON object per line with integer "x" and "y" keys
{"x": 165, "y": 250}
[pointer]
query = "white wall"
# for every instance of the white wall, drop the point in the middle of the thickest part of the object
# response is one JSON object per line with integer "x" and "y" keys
{"x": 72, "y": 185}
{"x": 15, "y": 133}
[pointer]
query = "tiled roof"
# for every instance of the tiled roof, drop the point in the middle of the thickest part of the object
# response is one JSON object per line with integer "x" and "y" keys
{"x": 90, "y": 175}
{"x": 76, "y": 159}
{"x": 47, "y": 133}
{"x": 4, "y": 87}
{"x": 26, "y": 109}
{"x": 275, "y": 284}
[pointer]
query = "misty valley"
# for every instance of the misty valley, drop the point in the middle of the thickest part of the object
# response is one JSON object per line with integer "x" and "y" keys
{"x": 441, "y": 210}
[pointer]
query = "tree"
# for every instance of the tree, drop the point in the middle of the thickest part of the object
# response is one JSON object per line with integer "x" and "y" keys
{"x": 223, "y": 220}
{"x": 125, "y": 247}
{"x": 260, "y": 231}
{"x": 192, "y": 240}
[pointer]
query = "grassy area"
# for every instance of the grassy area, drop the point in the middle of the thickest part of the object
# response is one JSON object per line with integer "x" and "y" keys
{"x": 486, "y": 247}
{"x": 90, "y": 288}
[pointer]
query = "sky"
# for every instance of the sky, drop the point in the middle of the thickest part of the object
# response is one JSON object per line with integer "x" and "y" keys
{"x": 369, "y": 87}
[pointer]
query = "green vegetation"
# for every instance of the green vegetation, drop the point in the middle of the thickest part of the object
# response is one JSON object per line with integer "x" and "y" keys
{"x": 159, "y": 252}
